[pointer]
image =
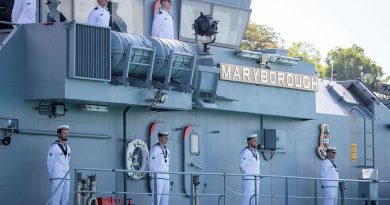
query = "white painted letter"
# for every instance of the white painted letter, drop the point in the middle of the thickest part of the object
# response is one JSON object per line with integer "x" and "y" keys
{"x": 225, "y": 73}
{"x": 245, "y": 74}
{"x": 236, "y": 74}
{"x": 306, "y": 82}
{"x": 272, "y": 77}
{"x": 314, "y": 83}
{"x": 281, "y": 80}
{"x": 255, "y": 73}
{"x": 298, "y": 81}
{"x": 290, "y": 80}
{"x": 264, "y": 76}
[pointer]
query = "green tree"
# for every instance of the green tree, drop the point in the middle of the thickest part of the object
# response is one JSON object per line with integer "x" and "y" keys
{"x": 308, "y": 53}
{"x": 259, "y": 36}
{"x": 352, "y": 63}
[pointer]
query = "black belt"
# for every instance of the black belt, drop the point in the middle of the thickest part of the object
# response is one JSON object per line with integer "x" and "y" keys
{"x": 250, "y": 179}
{"x": 329, "y": 186}
{"x": 57, "y": 179}
{"x": 161, "y": 178}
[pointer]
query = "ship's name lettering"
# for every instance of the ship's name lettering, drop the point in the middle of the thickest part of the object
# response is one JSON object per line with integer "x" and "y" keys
{"x": 268, "y": 77}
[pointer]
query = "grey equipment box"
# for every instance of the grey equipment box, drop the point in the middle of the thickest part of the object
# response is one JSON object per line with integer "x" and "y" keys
{"x": 269, "y": 139}
{"x": 369, "y": 190}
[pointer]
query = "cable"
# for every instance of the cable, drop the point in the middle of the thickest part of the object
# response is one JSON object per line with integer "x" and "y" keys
{"x": 267, "y": 158}
{"x": 227, "y": 187}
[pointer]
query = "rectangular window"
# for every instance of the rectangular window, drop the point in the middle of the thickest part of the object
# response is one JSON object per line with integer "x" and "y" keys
{"x": 65, "y": 7}
{"x": 232, "y": 24}
{"x": 232, "y": 21}
{"x": 194, "y": 144}
{"x": 82, "y": 10}
{"x": 126, "y": 15}
{"x": 190, "y": 11}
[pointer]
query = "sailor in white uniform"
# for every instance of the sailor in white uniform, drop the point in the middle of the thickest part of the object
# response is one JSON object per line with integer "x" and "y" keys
{"x": 58, "y": 165}
{"x": 163, "y": 22}
{"x": 99, "y": 16}
{"x": 250, "y": 164}
{"x": 24, "y": 11}
{"x": 159, "y": 161}
{"x": 329, "y": 170}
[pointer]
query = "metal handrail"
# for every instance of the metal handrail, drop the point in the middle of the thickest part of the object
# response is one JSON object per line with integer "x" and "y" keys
{"x": 231, "y": 174}
{"x": 225, "y": 175}
{"x": 9, "y": 23}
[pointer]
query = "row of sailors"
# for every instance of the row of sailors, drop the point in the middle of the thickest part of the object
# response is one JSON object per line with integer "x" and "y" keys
{"x": 59, "y": 155}
{"x": 24, "y": 12}
{"x": 250, "y": 165}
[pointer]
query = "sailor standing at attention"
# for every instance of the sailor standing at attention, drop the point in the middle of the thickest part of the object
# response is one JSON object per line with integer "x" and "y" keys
{"x": 24, "y": 11}
{"x": 159, "y": 162}
{"x": 329, "y": 170}
{"x": 58, "y": 165}
{"x": 99, "y": 16}
{"x": 163, "y": 22}
{"x": 250, "y": 164}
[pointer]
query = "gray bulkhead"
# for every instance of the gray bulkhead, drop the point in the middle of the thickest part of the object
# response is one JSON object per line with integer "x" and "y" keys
{"x": 32, "y": 73}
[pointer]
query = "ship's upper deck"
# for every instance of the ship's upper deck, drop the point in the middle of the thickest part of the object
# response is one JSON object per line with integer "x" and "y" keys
{"x": 264, "y": 82}
{"x": 136, "y": 16}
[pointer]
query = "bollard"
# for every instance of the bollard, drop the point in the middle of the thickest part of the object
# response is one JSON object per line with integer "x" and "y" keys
{"x": 78, "y": 188}
{"x": 196, "y": 181}
{"x": 342, "y": 190}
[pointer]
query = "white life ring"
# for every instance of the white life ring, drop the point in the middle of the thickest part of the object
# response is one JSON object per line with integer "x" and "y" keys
{"x": 132, "y": 158}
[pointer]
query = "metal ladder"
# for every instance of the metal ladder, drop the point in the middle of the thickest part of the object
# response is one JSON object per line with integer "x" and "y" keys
{"x": 368, "y": 137}
{"x": 131, "y": 59}
{"x": 369, "y": 148}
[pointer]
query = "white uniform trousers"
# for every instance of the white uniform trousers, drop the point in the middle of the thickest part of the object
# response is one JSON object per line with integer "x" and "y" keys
{"x": 330, "y": 195}
{"x": 248, "y": 189}
{"x": 162, "y": 188}
{"x": 61, "y": 197}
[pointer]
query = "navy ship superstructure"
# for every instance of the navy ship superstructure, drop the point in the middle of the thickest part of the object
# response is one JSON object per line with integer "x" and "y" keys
{"x": 114, "y": 88}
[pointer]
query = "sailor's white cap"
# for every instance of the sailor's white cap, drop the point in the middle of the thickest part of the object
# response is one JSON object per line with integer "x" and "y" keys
{"x": 163, "y": 132}
{"x": 331, "y": 149}
{"x": 251, "y": 136}
{"x": 63, "y": 127}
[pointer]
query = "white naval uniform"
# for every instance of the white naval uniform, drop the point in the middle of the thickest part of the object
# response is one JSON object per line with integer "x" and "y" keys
{"x": 159, "y": 161}
{"x": 99, "y": 16}
{"x": 57, "y": 167}
{"x": 163, "y": 25}
{"x": 24, "y": 11}
{"x": 329, "y": 170}
{"x": 249, "y": 164}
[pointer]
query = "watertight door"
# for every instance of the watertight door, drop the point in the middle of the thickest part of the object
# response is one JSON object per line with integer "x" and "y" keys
{"x": 193, "y": 156}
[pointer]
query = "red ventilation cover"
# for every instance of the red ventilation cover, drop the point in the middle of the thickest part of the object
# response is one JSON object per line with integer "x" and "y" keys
{"x": 152, "y": 128}
{"x": 187, "y": 131}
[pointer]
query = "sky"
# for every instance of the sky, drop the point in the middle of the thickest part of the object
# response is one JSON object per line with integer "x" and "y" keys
{"x": 330, "y": 23}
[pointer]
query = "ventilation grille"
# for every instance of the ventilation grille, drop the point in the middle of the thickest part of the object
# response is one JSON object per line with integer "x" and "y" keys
{"x": 92, "y": 53}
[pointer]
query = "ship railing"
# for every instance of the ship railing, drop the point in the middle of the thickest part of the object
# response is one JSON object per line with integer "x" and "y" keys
{"x": 226, "y": 189}
{"x": 9, "y": 23}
